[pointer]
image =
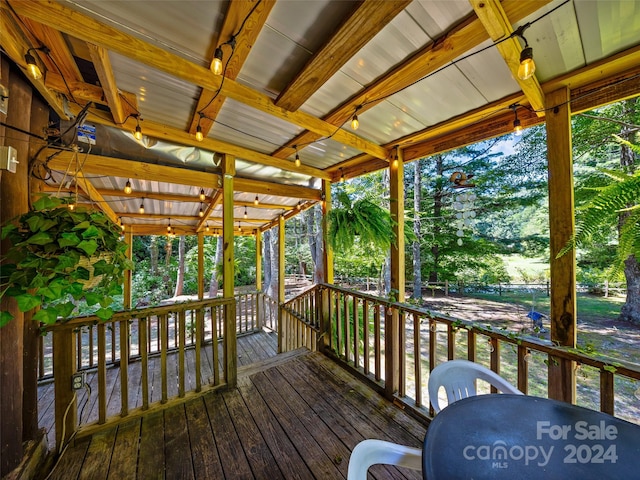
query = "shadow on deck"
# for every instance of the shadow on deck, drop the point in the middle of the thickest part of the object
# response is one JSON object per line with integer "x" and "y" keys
{"x": 296, "y": 415}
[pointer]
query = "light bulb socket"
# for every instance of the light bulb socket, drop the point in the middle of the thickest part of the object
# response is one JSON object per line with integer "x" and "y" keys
{"x": 199, "y": 135}
{"x": 355, "y": 123}
{"x": 127, "y": 188}
{"x": 202, "y": 195}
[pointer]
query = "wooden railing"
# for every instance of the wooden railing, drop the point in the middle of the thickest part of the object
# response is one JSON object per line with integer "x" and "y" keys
{"x": 352, "y": 327}
{"x": 254, "y": 310}
{"x": 198, "y": 332}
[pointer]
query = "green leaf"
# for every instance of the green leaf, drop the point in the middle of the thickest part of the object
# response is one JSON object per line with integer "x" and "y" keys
{"x": 92, "y": 298}
{"x": 88, "y": 246}
{"x": 47, "y": 316}
{"x": 81, "y": 273}
{"x": 91, "y": 232}
{"x": 47, "y": 202}
{"x": 104, "y": 313}
{"x": 75, "y": 290}
{"x": 7, "y": 229}
{"x": 5, "y": 317}
{"x": 65, "y": 310}
{"x": 27, "y": 301}
{"x": 40, "y": 238}
{"x": 68, "y": 260}
{"x": 106, "y": 301}
{"x": 68, "y": 240}
{"x": 101, "y": 267}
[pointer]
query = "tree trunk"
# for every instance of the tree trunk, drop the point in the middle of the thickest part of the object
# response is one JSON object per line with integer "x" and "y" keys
{"x": 153, "y": 248}
{"x": 167, "y": 263}
{"x": 437, "y": 213}
{"x": 272, "y": 289}
{"x": 180, "y": 278}
{"x": 214, "y": 285}
{"x": 417, "y": 264}
{"x": 267, "y": 260}
{"x": 314, "y": 234}
{"x": 630, "y": 311}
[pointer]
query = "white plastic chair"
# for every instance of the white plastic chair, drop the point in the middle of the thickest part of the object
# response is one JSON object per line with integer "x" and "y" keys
{"x": 372, "y": 452}
{"x": 458, "y": 378}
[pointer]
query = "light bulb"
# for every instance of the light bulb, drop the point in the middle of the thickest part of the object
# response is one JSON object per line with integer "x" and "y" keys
{"x": 72, "y": 206}
{"x": 127, "y": 188}
{"x": 201, "y": 213}
{"x": 355, "y": 123}
{"x": 217, "y": 62}
{"x": 256, "y": 201}
{"x": 138, "y": 133}
{"x": 199, "y": 135}
{"x": 202, "y": 195}
{"x": 32, "y": 66}
{"x": 297, "y": 162}
{"x": 527, "y": 66}
{"x": 169, "y": 228}
{"x": 206, "y": 227}
{"x": 517, "y": 127}
{"x": 141, "y": 209}
{"x": 245, "y": 212}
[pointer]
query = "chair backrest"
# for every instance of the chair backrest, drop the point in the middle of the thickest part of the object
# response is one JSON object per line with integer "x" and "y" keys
{"x": 371, "y": 452}
{"x": 458, "y": 378}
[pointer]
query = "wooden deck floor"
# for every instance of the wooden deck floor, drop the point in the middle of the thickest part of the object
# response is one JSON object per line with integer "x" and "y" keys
{"x": 298, "y": 415}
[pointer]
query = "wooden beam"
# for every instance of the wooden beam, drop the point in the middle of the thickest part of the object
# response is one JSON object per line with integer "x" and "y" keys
{"x": 562, "y": 315}
{"x": 452, "y": 44}
{"x": 100, "y": 165}
{"x": 497, "y": 24}
{"x": 209, "y": 104}
{"x": 102, "y": 64}
{"x": 345, "y": 42}
{"x": 174, "y": 135}
{"x": 63, "y": 62}
{"x": 228, "y": 274}
{"x": 90, "y": 30}
{"x": 215, "y": 201}
{"x": 15, "y": 45}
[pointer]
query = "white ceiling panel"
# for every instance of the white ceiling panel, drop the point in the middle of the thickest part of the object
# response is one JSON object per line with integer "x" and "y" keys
{"x": 437, "y": 16}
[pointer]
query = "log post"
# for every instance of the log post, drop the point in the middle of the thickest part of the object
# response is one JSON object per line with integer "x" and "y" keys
{"x": 324, "y": 338}
{"x": 562, "y": 382}
{"x": 230, "y": 340}
{"x": 392, "y": 322}
{"x": 64, "y": 366}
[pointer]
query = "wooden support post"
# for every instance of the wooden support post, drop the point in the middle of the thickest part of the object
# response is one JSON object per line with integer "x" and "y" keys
{"x": 327, "y": 257}
{"x": 281, "y": 326}
{"x": 200, "y": 265}
{"x": 392, "y": 322}
{"x": 127, "y": 297}
{"x": 14, "y": 199}
{"x": 562, "y": 382}
{"x": 258, "y": 304}
{"x": 64, "y": 366}
{"x": 230, "y": 340}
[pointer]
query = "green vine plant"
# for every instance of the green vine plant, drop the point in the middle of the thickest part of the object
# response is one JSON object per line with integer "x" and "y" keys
{"x": 59, "y": 257}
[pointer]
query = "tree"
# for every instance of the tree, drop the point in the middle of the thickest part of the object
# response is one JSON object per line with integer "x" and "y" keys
{"x": 216, "y": 271}
{"x": 180, "y": 277}
{"x": 417, "y": 264}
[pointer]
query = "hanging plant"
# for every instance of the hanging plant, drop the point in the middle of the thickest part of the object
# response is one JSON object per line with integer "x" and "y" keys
{"x": 60, "y": 257}
{"x": 361, "y": 218}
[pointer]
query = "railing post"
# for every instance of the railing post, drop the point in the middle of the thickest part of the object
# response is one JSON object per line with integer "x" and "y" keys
{"x": 391, "y": 349}
{"x": 323, "y": 298}
{"x": 64, "y": 354}
{"x": 230, "y": 344}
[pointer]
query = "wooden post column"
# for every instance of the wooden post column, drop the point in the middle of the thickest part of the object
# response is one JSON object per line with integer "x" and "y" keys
{"x": 281, "y": 332}
{"x": 392, "y": 322}
{"x": 127, "y": 297}
{"x": 230, "y": 343}
{"x": 258, "y": 304}
{"x": 325, "y": 304}
{"x": 562, "y": 382}
{"x": 200, "y": 265}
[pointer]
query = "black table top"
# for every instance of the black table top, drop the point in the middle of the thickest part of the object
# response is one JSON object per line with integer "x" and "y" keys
{"x": 522, "y": 437}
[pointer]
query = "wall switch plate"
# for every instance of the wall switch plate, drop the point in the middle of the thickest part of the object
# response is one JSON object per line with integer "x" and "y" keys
{"x": 8, "y": 159}
{"x": 4, "y": 99}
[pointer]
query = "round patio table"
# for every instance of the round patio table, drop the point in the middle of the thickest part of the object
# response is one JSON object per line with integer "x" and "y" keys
{"x": 504, "y": 436}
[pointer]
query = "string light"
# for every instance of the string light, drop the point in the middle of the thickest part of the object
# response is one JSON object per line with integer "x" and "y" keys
{"x": 527, "y": 66}
{"x": 355, "y": 123}
{"x": 32, "y": 66}
{"x": 256, "y": 200}
{"x": 202, "y": 195}
{"x": 517, "y": 126}
{"x": 138, "y": 133}
{"x": 141, "y": 209}
{"x": 199, "y": 134}
{"x": 121, "y": 224}
{"x": 341, "y": 175}
{"x": 245, "y": 212}
{"x": 297, "y": 160}
{"x": 217, "y": 62}
{"x": 127, "y": 187}
{"x": 299, "y": 205}
{"x": 169, "y": 227}
{"x": 206, "y": 226}
{"x": 201, "y": 212}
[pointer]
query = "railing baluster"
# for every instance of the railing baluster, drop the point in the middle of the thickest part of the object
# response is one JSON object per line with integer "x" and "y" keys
{"x": 164, "y": 341}
{"x": 607, "y": 395}
{"x": 199, "y": 329}
{"x": 102, "y": 373}
{"x": 417, "y": 363}
{"x": 143, "y": 325}
{"x": 124, "y": 367}
{"x": 214, "y": 344}
{"x": 451, "y": 342}
{"x": 181, "y": 352}
{"x": 365, "y": 335}
{"x": 356, "y": 334}
{"x": 495, "y": 358}
{"x": 377, "y": 342}
{"x": 523, "y": 369}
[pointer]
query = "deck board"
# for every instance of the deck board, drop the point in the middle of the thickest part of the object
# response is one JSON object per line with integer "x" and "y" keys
{"x": 298, "y": 415}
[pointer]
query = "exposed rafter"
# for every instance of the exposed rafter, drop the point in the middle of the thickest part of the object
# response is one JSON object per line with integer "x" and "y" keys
{"x": 344, "y": 43}
{"x": 102, "y": 64}
{"x": 497, "y": 24}
{"x": 90, "y": 30}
